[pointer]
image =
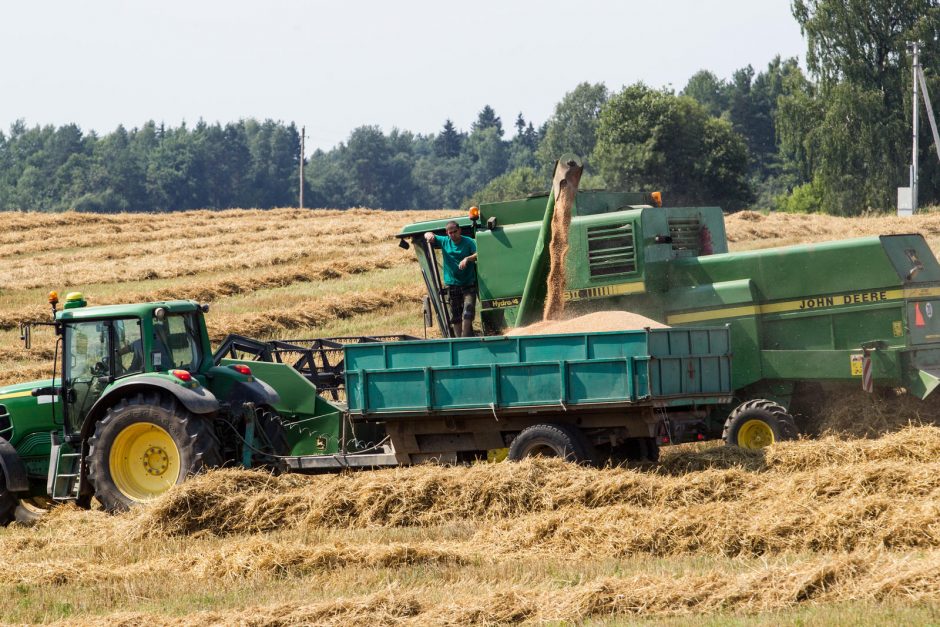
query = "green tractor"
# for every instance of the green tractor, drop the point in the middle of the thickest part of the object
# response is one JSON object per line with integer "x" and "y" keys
{"x": 139, "y": 405}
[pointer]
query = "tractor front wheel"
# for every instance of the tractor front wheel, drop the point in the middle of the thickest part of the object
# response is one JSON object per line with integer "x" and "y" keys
{"x": 757, "y": 424}
{"x": 145, "y": 445}
{"x": 7, "y": 503}
{"x": 552, "y": 440}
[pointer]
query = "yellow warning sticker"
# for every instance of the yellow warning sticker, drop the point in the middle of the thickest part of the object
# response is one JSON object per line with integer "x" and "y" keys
{"x": 897, "y": 329}
{"x": 856, "y": 361}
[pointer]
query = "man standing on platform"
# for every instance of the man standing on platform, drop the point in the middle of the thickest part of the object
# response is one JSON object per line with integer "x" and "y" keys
{"x": 460, "y": 276}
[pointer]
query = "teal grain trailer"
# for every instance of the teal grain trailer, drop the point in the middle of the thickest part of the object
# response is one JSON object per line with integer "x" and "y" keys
{"x": 584, "y": 396}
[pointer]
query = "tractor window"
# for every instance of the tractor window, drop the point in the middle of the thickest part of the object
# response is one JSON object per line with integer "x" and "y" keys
{"x": 176, "y": 343}
{"x": 87, "y": 351}
{"x": 127, "y": 345}
{"x": 87, "y": 367}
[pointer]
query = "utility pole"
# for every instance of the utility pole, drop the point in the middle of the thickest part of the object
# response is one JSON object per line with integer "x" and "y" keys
{"x": 915, "y": 75}
{"x": 303, "y": 134}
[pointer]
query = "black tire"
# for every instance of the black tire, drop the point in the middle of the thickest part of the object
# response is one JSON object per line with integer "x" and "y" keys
{"x": 637, "y": 450}
{"x": 30, "y": 510}
{"x": 552, "y": 440}
{"x": 7, "y": 503}
{"x": 758, "y": 423}
{"x": 178, "y": 443}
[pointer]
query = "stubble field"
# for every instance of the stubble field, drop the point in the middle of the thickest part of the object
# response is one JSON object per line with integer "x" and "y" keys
{"x": 831, "y": 531}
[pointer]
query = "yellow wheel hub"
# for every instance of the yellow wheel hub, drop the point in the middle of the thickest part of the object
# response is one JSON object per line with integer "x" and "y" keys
{"x": 145, "y": 461}
{"x": 755, "y": 434}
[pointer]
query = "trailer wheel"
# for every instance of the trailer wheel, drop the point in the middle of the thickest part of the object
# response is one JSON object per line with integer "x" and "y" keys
{"x": 757, "y": 424}
{"x": 552, "y": 440}
{"x": 7, "y": 503}
{"x": 145, "y": 445}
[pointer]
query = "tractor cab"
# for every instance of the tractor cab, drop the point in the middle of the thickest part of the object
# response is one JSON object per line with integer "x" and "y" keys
{"x": 106, "y": 346}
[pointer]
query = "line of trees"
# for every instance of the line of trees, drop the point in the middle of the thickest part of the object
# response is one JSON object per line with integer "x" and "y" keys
{"x": 834, "y": 139}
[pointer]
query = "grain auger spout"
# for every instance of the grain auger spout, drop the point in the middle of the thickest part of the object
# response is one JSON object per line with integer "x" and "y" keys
{"x": 545, "y": 282}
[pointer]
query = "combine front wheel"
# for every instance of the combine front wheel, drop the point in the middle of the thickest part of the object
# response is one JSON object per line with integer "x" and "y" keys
{"x": 145, "y": 445}
{"x": 758, "y": 423}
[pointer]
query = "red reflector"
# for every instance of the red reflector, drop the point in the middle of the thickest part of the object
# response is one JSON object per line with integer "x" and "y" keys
{"x": 701, "y": 437}
{"x": 242, "y": 369}
{"x": 665, "y": 439}
{"x": 182, "y": 375}
{"x": 918, "y": 317}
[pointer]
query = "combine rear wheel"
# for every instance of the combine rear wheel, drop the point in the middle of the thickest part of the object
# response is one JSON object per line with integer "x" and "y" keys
{"x": 145, "y": 445}
{"x": 552, "y": 440}
{"x": 758, "y": 423}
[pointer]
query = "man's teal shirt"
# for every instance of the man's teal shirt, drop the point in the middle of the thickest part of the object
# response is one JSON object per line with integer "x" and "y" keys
{"x": 453, "y": 254}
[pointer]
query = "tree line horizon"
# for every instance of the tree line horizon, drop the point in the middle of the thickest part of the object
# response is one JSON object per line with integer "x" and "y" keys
{"x": 835, "y": 138}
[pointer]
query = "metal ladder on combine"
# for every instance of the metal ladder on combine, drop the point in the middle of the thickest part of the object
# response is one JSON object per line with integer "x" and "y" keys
{"x": 62, "y": 482}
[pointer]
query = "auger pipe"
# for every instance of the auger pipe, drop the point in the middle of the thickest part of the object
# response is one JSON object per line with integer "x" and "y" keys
{"x": 535, "y": 290}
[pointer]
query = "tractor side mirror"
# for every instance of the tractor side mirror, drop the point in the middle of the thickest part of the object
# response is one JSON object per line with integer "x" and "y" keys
{"x": 26, "y": 334}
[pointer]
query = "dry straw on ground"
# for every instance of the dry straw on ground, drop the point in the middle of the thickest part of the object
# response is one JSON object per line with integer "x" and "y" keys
{"x": 829, "y": 521}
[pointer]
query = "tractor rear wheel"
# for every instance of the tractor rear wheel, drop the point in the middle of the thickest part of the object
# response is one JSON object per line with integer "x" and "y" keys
{"x": 145, "y": 445}
{"x": 552, "y": 440}
{"x": 7, "y": 503}
{"x": 757, "y": 424}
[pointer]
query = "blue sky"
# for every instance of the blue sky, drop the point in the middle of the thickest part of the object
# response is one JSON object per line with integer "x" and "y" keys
{"x": 334, "y": 66}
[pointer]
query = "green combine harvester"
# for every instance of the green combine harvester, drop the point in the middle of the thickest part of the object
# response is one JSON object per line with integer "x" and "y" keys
{"x": 863, "y": 311}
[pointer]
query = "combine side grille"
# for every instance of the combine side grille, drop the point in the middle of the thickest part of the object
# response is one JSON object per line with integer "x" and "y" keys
{"x": 685, "y": 233}
{"x": 611, "y": 250}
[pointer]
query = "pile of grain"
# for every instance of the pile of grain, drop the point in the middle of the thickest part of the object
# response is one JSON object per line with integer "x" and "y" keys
{"x": 593, "y": 322}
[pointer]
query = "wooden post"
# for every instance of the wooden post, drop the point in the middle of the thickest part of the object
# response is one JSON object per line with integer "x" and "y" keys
{"x": 303, "y": 132}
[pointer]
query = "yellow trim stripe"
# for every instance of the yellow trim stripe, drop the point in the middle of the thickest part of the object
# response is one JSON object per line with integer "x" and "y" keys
{"x": 603, "y": 291}
{"x": 714, "y": 314}
{"x": 806, "y": 304}
{"x": 4, "y": 397}
{"x": 920, "y": 292}
{"x": 636, "y": 287}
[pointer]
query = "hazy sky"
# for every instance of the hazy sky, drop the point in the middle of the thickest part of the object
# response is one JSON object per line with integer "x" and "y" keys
{"x": 333, "y": 66}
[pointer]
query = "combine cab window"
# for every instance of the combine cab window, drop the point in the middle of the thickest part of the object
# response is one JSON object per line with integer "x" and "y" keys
{"x": 176, "y": 343}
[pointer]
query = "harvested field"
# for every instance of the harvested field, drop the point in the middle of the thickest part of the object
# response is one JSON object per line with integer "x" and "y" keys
{"x": 838, "y": 530}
